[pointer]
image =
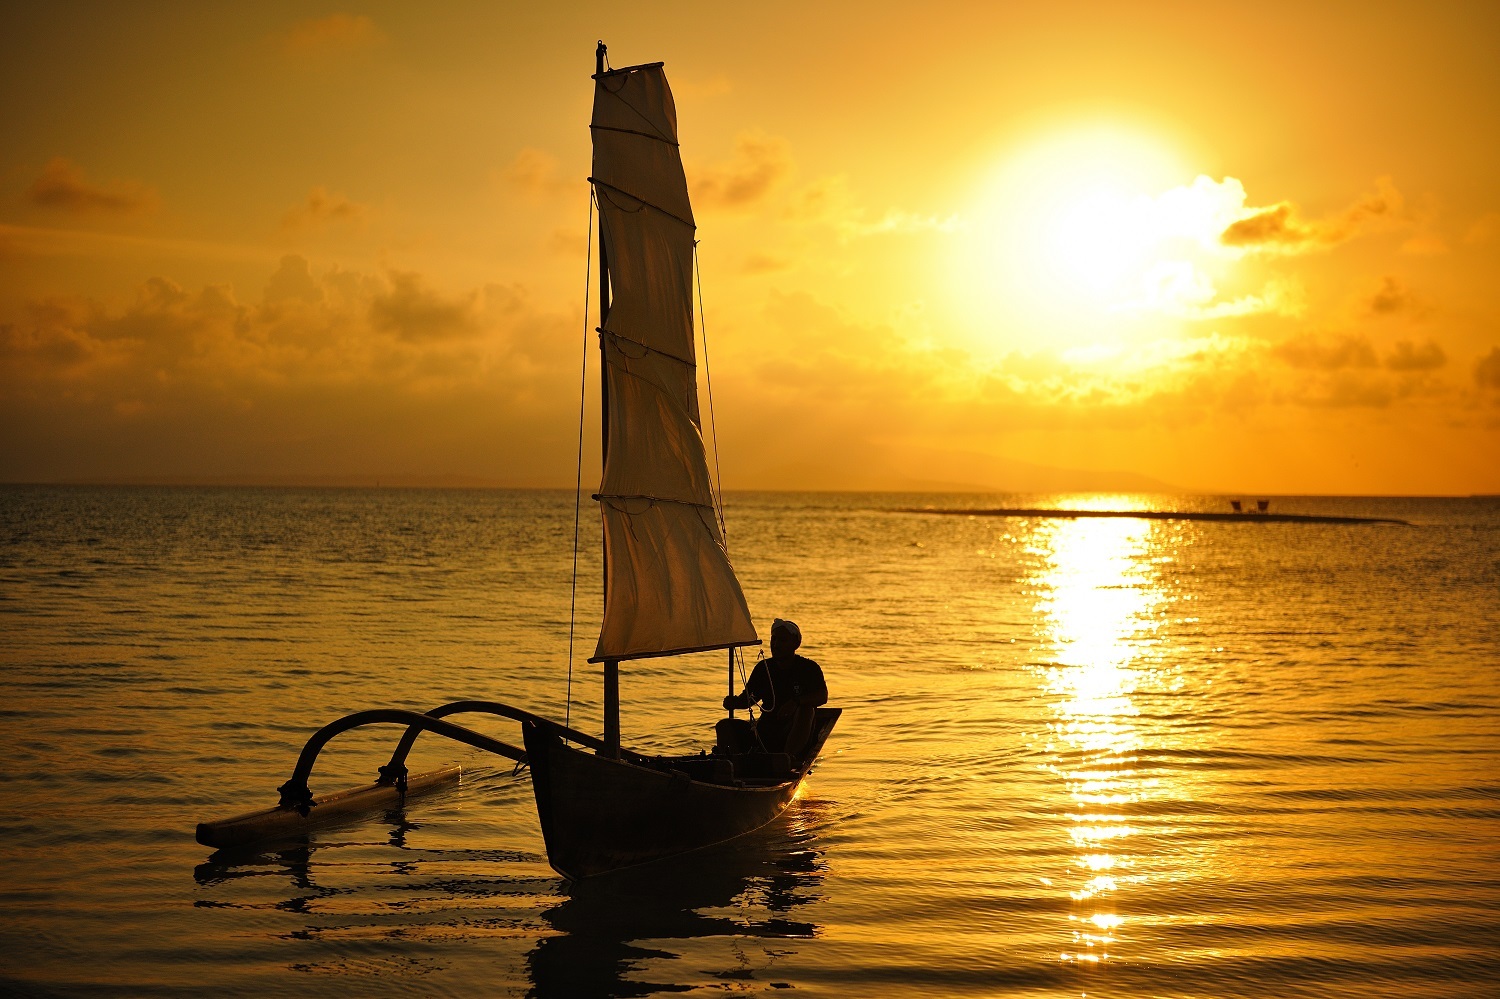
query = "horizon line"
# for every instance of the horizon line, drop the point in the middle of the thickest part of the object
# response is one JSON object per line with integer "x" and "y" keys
{"x": 434, "y": 483}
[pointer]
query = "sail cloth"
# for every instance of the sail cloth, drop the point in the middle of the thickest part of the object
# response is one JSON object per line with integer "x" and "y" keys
{"x": 668, "y": 584}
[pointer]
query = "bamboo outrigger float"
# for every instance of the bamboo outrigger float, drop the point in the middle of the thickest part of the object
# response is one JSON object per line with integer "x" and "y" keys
{"x": 669, "y": 587}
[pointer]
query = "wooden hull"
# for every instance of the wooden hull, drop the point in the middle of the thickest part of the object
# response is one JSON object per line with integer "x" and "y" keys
{"x": 599, "y": 814}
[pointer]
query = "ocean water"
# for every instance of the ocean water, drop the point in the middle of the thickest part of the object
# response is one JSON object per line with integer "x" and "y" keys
{"x": 1118, "y": 757}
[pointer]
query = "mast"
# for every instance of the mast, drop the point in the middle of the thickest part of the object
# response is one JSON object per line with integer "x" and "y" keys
{"x": 611, "y": 666}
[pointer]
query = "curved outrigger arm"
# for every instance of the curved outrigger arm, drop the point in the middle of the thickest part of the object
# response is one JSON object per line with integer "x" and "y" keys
{"x": 394, "y": 772}
{"x": 295, "y": 793}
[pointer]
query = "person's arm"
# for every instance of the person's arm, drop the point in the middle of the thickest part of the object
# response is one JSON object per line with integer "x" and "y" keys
{"x": 752, "y": 693}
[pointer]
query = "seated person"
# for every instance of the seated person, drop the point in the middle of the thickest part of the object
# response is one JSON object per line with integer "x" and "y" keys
{"x": 788, "y": 688}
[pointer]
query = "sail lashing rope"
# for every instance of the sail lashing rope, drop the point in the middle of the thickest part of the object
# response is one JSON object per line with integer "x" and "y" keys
{"x": 712, "y": 426}
{"x": 588, "y": 274}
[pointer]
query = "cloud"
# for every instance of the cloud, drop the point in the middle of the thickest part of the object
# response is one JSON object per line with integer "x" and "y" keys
{"x": 1487, "y": 370}
{"x": 569, "y": 242}
{"x": 63, "y": 186}
{"x": 414, "y": 312}
{"x": 896, "y": 221}
{"x": 829, "y": 201}
{"x": 324, "y": 208}
{"x": 713, "y": 86}
{"x": 1325, "y": 353}
{"x": 1178, "y": 288}
{"x": 1427, "y": 356}
{"x": 1268, "y": 225}
{"x": 293, "y": 281}
{"x": 306, "y": 326}
{"x": 761, "y": 162}
{"x": 49, "y": 341}
{"x": 334, "y": 35}
{"x": 1391, "y": 298}
{"x": 331, "y": 371}
{"x": 823, "y": 200}
{"x": 764, "y": 263}
{"x": 1281, "y": 228}
{"x": 823, "y": 381}
{"x": 535, "y": 172}
{"x": 1348, "y": 390}
{"x": 876, "y": 383}
{"x": 336, "y": 371}
{"x": 1199, "y": 211}
{"x": 1425, "y": 244}
{"x": 1343, "y": 371}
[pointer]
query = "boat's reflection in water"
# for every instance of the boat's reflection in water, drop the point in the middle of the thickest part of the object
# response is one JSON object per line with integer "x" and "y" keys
{"x": 616, "y": 933}
{"x": 735, "y": 909}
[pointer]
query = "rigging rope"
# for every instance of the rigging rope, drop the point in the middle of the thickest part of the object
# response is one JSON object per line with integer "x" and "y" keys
{"x": 739, "y": 655}
{"x": 712, "y": 426}
{"x": 588, "y": 274}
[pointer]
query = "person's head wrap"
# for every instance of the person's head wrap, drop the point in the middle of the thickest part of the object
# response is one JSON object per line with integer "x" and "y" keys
{"x": 788, "y": 628}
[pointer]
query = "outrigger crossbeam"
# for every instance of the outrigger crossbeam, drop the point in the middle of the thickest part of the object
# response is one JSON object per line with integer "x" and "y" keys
{"x": 298, "y": 810}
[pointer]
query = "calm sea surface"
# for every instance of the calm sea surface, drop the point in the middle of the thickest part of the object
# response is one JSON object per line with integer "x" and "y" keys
{"x": 1117, "y": 757}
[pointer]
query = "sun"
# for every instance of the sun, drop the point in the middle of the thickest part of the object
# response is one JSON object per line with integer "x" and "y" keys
{"x": 1082, "y": 234}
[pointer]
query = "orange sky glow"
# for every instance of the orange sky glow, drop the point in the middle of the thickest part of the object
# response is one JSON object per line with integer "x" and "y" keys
{"x": 1037, "y": 247}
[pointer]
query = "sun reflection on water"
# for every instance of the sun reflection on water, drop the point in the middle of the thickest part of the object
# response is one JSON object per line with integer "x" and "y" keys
{"x": 1100, "y": 606}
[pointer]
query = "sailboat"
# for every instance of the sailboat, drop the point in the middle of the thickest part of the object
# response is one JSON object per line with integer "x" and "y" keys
{"x": 669, "y": 586}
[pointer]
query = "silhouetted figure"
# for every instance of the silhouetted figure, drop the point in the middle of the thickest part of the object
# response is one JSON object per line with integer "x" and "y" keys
{"x": 788, "y": 688}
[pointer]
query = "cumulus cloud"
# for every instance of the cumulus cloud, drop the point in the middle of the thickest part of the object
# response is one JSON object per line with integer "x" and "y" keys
{"x": 328, "y": 371}
{"x": 334, "y": 35}
{"x": 293, "y": 281}
{"x": 877, "y": 382}
{"x": 49, "y": 340}
{"x": 1391, "y": 297}
{"x": 829, "y": 201}
{"x": 536, "y": 172}
{"x": 324, "y": 208}
{"x": 764, "y": 263}
{"x": 760, "y": 163}
{"x": 1345, "y": 370}
{"x": 569, "y": 242}
{"x": 824, "y": 199}
{"x": 412, "y": 311}
{"x": 62, "y": 185}
{"x": 1325, "y": 353}
{"x": 1178, "y": 288}
{"x": 374, "y": 328}
{"x": 696, "y": 89}
{"x": 1281, "y": 227}
{"x": 332, "y": 370}
{"x": 1347, "y": 390}
{"x": 1487, "y": 370}
{"x": 835, "y": 397}
{"x": 1425, "y": 244}
{"x": 1407, "y": 356}
{"x": 895, "y": 221}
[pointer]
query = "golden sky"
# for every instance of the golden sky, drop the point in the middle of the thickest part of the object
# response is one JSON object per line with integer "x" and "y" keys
{"x": 1247, "y": 247}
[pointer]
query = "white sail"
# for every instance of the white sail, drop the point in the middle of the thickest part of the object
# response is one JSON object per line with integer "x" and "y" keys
{"x": 669, "y": 586}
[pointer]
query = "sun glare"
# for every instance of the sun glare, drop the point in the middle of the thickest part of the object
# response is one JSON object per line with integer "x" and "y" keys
{"x": 1088, "y": 235}
{"x": 1099, "y": 596}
